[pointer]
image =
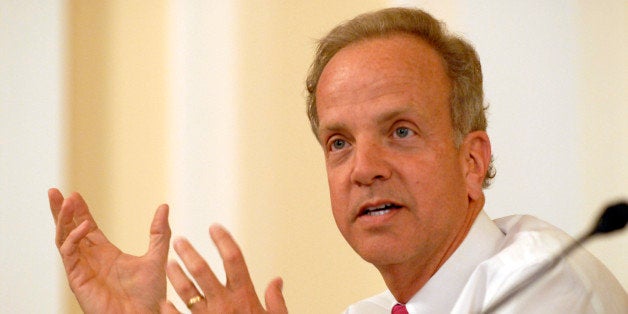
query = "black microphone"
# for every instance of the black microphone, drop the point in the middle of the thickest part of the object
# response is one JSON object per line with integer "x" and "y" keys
{"x": 613, "y": 218}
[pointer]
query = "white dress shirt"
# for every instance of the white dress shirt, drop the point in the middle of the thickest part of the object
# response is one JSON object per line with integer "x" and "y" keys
{"x": 494, "y": 257}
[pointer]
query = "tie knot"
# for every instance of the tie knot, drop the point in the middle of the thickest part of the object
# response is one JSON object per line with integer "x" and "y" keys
{"x": 399, "y": 309}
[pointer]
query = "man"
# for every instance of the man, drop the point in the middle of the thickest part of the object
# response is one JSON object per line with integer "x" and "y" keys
{"x": 397, "y": 106}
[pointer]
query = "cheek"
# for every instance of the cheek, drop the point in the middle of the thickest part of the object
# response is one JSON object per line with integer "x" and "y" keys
{"x": 338, "y": 182}
{"x": 421, "y": 171}
{"x": 439, "y": 167}
{"x": 337, "y": 194}
{"x": 339, "y": 201}
{"x": 433, "y": 183}
{"x": 341, "y": 213}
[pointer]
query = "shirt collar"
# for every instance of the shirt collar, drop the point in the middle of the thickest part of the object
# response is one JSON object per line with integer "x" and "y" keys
{"x": 442, "y": 290}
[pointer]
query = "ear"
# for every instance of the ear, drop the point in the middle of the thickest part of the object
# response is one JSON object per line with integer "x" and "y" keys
{"x": 476, "y": 157}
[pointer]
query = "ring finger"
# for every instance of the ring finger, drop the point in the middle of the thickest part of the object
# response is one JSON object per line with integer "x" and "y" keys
{"x": 184, "y": 287}
{"x": 198, "y": 268}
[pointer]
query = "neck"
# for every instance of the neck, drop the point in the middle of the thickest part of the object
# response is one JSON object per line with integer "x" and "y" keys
{"x": 404, "y": 280}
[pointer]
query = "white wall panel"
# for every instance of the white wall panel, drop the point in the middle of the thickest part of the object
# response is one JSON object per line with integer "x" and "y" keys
{"x": 31, "y": 52}
{"x": 203, "y": 146}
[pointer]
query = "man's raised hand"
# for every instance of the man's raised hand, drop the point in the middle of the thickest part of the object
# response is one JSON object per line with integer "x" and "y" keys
{"x": 236, "y": 296}
{"x": 103, "y": 278}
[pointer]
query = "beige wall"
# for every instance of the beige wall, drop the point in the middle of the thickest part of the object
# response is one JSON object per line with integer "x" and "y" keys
{"x": 117, "y": 96}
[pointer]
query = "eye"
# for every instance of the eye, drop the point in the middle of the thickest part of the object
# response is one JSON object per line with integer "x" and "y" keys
{"x": 403, "y": 132}
{"x": 338, "y": 144}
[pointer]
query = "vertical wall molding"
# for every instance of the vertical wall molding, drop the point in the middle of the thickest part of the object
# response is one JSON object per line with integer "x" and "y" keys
{"x": 202, "y": 127}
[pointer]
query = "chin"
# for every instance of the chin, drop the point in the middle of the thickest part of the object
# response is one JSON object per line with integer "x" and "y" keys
{"x": 381, "y": 260}
{"x": 381, "y": 254}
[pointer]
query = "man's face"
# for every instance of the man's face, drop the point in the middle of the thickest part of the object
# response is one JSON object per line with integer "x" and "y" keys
{"x": 396, "y": 179}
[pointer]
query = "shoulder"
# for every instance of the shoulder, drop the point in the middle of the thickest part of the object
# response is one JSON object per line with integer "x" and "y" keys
{"x": 579, "y": 282}
{"x": 528, "y": 240}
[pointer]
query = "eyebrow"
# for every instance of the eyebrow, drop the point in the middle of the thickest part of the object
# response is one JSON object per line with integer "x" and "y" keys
{"x": 385, "y": 117}
{"x": 332, "y": 128}
{"x": 393, "y": 114}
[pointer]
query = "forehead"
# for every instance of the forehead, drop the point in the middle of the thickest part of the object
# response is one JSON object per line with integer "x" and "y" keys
{"x": 381, "y": 71}
{"x": 396, "y": 53}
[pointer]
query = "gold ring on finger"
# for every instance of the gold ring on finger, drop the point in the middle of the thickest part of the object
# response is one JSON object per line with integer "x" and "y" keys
{"x": 194, "y": 300}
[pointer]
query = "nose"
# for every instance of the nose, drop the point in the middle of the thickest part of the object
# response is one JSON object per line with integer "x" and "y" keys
{"x": 370, "y": 164}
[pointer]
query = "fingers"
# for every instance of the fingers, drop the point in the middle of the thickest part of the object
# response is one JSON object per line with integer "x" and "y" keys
{"x": 69, "y": 247}
{"x": 239, "y": 290}
{"x": 235, "y": 267}
{"x": 65, "y": 222}
{"x": 160, "y": 234}
{"x": 275, "y": 303}
{"x": 232, "y": 258}
{"x": 180, "y": 282}
{"x": 198, "y": 268}
{"x": 167, "y": 307}
{"x": 55, "y": 198}
{"x": 73, "y": 212}
{"x": 81, "y": 211}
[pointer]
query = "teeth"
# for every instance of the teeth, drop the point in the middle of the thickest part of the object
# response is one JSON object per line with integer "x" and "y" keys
{"x": 384, "y": 206}
{"x": 378, "y": 212}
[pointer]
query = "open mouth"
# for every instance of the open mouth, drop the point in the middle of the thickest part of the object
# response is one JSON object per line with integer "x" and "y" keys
{"x": 378, "y": 210}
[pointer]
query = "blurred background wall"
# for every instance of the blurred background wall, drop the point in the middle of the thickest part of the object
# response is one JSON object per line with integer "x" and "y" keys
{"x": 32, "y": 46}
{"x": 200, "y": 104}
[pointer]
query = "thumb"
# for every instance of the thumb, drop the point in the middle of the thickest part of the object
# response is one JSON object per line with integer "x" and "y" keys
{"x": 275, "y": 302}
{"x": 159, "y": 234}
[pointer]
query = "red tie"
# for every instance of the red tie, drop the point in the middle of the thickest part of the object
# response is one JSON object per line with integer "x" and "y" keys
{"x": 399, "y": 309}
